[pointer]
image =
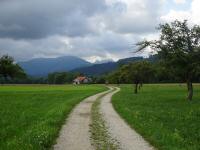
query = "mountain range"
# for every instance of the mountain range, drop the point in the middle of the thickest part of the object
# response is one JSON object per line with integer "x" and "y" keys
{"x": 43, "y": 66}
{"x": 99, "y": 69}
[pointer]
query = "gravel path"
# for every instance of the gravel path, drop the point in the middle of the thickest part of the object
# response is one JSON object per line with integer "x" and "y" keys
{"x": 128, "y": 139}
{"x": 75, "y": 135}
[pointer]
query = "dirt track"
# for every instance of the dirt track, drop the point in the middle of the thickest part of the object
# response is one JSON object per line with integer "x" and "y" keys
{"x": 128, "y": 139}
{"x": 75, "y": 134}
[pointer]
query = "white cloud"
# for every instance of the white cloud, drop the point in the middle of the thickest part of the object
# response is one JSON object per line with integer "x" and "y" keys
{"x": 133, "y": 16}
{"x": 192, "y": 14}
{"x": 195, "y": 11}
{"x": 179, "y": 15}
{"x": 180, "y": 1}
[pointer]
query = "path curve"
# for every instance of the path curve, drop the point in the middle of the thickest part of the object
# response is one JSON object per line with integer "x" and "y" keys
{"x": 74, "y": 134}
{"x": 128, "y": 138}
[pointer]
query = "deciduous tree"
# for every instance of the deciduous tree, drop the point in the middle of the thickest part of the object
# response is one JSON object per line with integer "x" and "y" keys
{"x": 10, "y": 69}
{"x": 137, "y": 73}
{"x": 179, "y": 47}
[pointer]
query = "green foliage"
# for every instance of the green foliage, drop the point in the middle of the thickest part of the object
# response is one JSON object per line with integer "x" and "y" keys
{"x": 158, "y": 73}
{"x": 137, "y": 72}
{"x": 179, "y": 47}
{"x": 161, "y": 115}
{"x": 181, "y": 50}
{"x": 31, "y": 116}
{"x": 99, "y": 79}
{"x": 61, "y": 77}
{"x": 163, "y": 74}
{"x": 8, "y": 69}
{"x": 115, "y": 77}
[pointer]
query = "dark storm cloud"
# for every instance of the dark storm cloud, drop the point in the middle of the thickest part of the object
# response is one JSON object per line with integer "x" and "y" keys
{"x": 32, "y": 19}
{"x": 84, "y": 28}
{"x": 138, "y": 17}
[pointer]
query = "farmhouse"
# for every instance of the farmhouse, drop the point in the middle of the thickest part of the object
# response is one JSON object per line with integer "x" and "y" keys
{"x": 81, "y": 80}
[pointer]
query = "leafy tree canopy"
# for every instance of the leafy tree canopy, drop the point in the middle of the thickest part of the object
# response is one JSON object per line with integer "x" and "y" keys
{"x": 9, "y": 69}
{"x": 179, "y": 47}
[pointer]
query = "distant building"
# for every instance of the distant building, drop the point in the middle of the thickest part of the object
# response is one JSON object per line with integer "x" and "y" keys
{"x": 82, "y": 80}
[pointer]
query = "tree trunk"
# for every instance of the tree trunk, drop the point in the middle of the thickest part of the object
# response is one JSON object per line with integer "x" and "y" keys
{"x": 5, "y": 79}
{"x": 118, "y": 83}
{"x": 136, "y": 88}
{"x": 190, "y": 90}
{"x": 140, "y": 86}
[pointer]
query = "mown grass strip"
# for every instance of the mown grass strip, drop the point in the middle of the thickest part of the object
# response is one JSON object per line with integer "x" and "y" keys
{"x": 100, "y": 136}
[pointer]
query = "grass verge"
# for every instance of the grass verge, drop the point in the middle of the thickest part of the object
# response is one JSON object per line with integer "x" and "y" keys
{"x": 31, "y": 116}
{"x": 100, "y": 136}
{"x": 162, "y": 115}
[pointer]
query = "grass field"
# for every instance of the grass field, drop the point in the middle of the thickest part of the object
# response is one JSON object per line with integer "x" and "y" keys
{"x": 162, "y": 115}
{"x": 31, "y": 116}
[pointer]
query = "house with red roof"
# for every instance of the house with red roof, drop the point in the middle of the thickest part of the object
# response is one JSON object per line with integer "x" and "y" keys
{"x": 82, "y": 80}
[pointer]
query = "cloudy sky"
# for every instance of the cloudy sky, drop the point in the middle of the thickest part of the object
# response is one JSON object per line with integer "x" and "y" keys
{"x": 90, "y": 29}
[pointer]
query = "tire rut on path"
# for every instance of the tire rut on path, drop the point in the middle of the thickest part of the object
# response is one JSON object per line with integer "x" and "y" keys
{"x": 74, "y": 134}
{"x": 128, "y": 138}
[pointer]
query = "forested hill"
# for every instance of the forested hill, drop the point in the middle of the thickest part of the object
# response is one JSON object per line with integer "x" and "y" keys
{"x": 43, "y": 66}
{"x": 99, "y": 69}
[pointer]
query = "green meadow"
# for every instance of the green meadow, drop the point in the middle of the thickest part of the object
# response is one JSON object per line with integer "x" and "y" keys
{"x": 162, "y": 115}
{"x": 31, "y": 116}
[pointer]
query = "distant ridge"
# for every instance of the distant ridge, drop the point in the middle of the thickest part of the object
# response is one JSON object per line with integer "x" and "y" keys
{"x": 99, "y": 69}
{"x": 40, "y": 67}
{"x": 44, "y": 66}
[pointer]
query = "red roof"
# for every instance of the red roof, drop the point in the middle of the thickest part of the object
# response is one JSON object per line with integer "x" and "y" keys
{"x": 80, "y": 78}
